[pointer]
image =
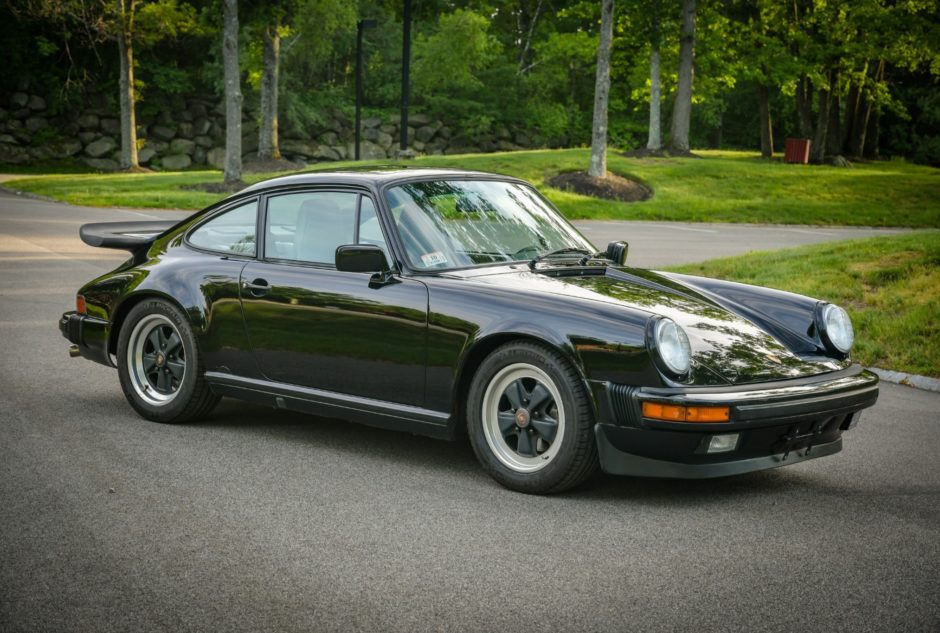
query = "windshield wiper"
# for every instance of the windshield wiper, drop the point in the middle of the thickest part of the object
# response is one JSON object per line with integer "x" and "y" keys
{"x": 558, "y": 251}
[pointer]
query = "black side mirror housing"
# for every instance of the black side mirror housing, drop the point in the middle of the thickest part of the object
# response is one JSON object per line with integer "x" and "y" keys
{"x": 617, "y": 252}
{"x": 361, "y": 258}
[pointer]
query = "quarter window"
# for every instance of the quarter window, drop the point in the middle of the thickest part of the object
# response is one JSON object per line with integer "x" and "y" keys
{"x": 232, "y": 231}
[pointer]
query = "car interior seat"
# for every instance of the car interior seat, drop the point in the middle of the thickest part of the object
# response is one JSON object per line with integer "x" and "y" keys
{"x": 322, "y": 226}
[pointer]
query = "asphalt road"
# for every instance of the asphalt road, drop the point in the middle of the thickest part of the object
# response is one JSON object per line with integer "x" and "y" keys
{"x": 256, "y": 520}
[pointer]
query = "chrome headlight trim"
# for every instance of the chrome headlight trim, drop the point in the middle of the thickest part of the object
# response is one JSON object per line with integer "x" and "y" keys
{"x": 670, "y": 347}
{"x": 835, "y": 328}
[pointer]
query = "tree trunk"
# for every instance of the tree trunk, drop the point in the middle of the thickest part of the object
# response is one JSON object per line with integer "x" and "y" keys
{"x": 818, "y": 149}
{"x": 766, "y": 124}
{"x": 525, "y": 28}
{"x": 682, "y": 110}
{"x": 233, "y": 94}
{"x": 874, "y": 133}
{"x": 865, "y": 116}
{"x": 125, "y": 9}
{"x": 598, "y": 167}
{"x": 655, "y": 141}
{"x": 267, "y": 135}
{"x": 834, "y": 133}
{"x": 719, "y": 130}
{"x": 853, "y": 110}
{"x": 804, "y": 108}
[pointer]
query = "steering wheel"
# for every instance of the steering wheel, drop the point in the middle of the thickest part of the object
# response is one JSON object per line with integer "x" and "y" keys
{"x": 531, "y": 248}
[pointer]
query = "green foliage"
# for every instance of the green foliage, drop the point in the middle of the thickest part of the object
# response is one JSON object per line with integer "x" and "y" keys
{"x": 521, "y": 64}
{"x": 45, "y": 47}
{"x": 169, "y": 80}
{"x": 448, "y": 59}
{"x": 302, "y": 114}
{"x": 915, "y": 130}
{"x": 45, "y": 135}
{"x": 157, "y": 20}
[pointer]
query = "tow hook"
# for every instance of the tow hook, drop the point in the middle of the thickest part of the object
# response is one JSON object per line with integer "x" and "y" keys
{"x": 74, "y": 351}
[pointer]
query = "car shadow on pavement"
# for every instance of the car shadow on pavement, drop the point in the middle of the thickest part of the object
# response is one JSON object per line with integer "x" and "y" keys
{"x": 659, "y": 491}
{"x": 357, "y": 441}
{"x": 339, "y": 435}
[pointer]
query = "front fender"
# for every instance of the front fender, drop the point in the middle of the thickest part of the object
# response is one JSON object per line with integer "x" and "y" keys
{"x": 789, "y": 317}
{"x": 603, "y": 342}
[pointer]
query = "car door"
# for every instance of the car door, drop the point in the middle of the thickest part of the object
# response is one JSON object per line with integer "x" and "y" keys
{"x": 314, "y": 326}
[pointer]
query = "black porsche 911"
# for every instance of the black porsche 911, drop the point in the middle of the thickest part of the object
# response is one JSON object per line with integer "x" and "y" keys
{"x": 444, "y": 301}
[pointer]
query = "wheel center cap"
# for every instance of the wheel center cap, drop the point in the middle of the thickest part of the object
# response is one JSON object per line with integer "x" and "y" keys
{"x": 522, "y": 418}
{"x": 161, "y": 359}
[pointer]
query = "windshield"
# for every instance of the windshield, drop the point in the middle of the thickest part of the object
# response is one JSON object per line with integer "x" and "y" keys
{"x": 458, "y": 223}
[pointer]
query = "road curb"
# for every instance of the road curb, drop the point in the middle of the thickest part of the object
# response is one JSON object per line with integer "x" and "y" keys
{"x": 27, "y": 194}
{"x": 910, "y": 380}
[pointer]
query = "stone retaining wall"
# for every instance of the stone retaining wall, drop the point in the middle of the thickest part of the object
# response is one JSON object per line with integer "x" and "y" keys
{"x": 194, "y": 134}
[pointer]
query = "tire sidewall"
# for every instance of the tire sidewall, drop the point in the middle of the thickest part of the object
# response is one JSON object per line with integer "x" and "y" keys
{"x": 174, "y": 408}
{"x": 550, "y": 476}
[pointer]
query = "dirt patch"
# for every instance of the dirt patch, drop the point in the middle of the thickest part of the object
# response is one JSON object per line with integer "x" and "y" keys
{"x": 217, "y": 187}
{"x": 657, "y": 153}
{"x": 610, "y": 187}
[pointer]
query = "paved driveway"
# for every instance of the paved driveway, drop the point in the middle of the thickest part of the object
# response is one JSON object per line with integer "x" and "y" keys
{"x": 260, "y": 520}
{"x": 659, "y": 244}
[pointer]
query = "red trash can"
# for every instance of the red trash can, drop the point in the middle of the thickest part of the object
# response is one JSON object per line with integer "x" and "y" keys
{"x": 796, "y": 150}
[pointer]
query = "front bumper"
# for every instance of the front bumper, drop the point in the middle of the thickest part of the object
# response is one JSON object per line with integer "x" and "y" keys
{"x": 777, "y": 424}
{"x": 89, "y": 334}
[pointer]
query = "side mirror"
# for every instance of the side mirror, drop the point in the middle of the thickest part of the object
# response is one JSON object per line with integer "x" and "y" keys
{"x": 361, "y": 258}
{"x": 617, "y": 252}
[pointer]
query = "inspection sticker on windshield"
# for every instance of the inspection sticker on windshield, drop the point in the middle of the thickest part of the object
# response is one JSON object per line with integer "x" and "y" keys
{"x": 433, "y": 259}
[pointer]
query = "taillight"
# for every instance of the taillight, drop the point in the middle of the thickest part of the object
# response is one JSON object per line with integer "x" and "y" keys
{"x": 80, "y": 304}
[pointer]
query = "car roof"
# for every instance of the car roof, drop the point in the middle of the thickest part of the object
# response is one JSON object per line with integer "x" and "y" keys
{"x": 374, "y": 176}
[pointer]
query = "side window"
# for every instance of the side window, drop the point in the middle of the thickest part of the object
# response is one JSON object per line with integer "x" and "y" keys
{"x": 232, "y": 231}
{"x": 308, "y": 227}
{"x": 370, "y": 230}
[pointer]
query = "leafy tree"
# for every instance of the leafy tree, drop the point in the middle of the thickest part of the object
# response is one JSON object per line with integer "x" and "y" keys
{"x": 121, "y": 21}
{"x": 450, "y": 59}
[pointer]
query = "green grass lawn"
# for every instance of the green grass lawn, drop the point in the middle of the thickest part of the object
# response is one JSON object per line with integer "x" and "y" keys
{"x": 719, "y": 187}
{"x": 889, "y": 285}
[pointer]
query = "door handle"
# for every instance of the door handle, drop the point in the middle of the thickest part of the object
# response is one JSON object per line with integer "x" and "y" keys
{"x": 257, "y": 287}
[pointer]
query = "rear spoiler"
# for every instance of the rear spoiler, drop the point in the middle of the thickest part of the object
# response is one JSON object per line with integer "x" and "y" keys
{"x": 128, "y": 236}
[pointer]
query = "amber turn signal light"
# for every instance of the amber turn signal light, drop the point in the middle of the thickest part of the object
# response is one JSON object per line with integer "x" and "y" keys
{"x": 80, "y": 304}
{"x": 681, "y": 413}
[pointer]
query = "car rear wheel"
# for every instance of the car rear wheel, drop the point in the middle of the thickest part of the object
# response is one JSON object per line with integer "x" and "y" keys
{"x": 159, "y": 365}
{"x": 530, "y": 420}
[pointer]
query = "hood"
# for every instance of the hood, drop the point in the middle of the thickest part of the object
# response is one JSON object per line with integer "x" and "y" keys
{"x": 723, "y": 342}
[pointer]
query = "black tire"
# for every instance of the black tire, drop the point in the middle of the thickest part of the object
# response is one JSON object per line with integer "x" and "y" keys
{"x": 545, "y": 462}
{"x": 163, "y": 384}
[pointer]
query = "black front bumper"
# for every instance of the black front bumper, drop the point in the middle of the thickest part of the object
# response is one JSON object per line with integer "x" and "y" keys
{"x": 776, "y": 423}
{"x": 89, "y": 334}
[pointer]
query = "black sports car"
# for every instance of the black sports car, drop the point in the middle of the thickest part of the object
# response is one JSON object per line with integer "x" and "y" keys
{"x": 434, "y": 301}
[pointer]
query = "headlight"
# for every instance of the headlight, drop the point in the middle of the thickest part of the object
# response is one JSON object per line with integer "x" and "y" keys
{"x": 835, "y": 326}
{"x": 672, "y": 346}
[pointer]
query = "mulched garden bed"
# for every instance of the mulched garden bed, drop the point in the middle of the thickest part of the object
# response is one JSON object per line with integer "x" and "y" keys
{"x": 610, "y": 187}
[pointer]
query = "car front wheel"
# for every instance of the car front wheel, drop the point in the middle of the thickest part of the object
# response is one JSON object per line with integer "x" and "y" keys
{"x": 159, "y": 364}
{"x": 530, "y": 420}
